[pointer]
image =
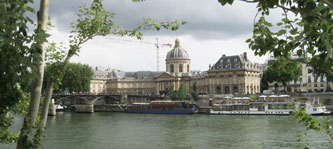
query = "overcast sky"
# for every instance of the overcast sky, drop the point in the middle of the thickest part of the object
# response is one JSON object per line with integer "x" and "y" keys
{"x": 211, "y": 30}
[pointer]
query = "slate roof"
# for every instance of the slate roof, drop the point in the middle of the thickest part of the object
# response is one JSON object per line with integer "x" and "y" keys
{"x": 143, "y": 74}
{"x": 235, "y": 62}
{"x": 100, "y": 74}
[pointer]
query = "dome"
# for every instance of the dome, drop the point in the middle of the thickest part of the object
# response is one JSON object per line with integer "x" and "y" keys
{"x": 177, "y": 52}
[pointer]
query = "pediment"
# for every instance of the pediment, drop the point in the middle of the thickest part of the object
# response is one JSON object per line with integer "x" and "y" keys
{"x": 165, "y": 75}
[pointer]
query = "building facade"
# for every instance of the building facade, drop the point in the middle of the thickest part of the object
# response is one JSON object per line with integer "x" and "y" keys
{"x": 307, "y": 82}
{"x": 229, "y": 75}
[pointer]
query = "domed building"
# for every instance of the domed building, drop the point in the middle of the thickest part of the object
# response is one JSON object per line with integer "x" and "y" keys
{"x": 177, "y": 70}
{"x": 233, "y": 74}
{"x": 178, "y": 61}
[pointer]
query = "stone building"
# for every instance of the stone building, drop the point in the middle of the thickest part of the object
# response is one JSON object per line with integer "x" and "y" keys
{"x": 177, "y": 70}
{"x": 135, "y": 83}
{"x": 307, "y": 82}
{"x": 230, "y": 75}
{"x": 99, "y": 84}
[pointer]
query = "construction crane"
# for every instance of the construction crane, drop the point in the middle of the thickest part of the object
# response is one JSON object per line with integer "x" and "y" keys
{"x": 157, "y": 45}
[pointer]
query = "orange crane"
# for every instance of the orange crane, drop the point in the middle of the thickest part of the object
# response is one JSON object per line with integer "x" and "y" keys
{"x": 157, "y": 44}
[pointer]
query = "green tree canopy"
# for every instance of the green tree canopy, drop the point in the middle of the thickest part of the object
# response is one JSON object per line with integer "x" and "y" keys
{"x": 282, "y": 70}
{"x": 172, "y": 93}
{"x": 182, "y": 91}
{"x": 194, "y": 92}
{"x": 15, "y": 61}
{"x": 309, "y": 34}
{"x": 76, "y": 78}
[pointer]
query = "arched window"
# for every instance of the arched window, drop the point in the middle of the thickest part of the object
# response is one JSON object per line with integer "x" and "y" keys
{"x": 171, "y": 68}
{"x": 235, "y": 89}
{"x": 218, "y": 90}
{"x": 188, "y": 68}
{"x": 226, "y": 90}
{"x": 180, "y": 67}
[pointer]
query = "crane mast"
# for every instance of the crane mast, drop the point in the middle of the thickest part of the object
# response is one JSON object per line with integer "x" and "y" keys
{"x": 157, "y": 44}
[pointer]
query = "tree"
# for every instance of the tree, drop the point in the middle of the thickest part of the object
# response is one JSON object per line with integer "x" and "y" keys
{"x": 282, "y": 70}
{"x": 264, "y": 82}
{"x": 15, "y": 61}
{"x": 93, "y": 21}
{"x": 172, "y": 93}
{"x": 76, "y": 77}
{"x": 25, "y": 138}
{"x": 309, "y": 33}
{"x": 182, "y": 91}
{"x": 194, "y": 92}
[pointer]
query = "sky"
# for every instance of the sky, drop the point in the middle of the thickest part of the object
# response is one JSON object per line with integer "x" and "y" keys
{"x": 211, "y": 31}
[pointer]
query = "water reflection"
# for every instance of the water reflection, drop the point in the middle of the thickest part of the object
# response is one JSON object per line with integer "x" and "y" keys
{"x": 122, "y": 130}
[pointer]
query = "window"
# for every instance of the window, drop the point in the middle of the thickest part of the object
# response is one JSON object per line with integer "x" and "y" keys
{"x": 315, "y": 79}
{"x": 188, "y": 68}
{"x": 235, "y": 89}
{"x": 321, "y": 79}
{"x": 218, "y": 90}
{"x": 226, "y": 90}
{"x": 180, "y": 67}
{"x": 171, "y": 68}
{"x": 309, "y": 79}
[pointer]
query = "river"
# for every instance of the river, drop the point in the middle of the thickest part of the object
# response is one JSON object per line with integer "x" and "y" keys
{"x": 122, "y": 130}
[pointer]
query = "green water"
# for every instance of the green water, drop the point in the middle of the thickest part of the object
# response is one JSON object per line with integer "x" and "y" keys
{"x": 123, "y": 130}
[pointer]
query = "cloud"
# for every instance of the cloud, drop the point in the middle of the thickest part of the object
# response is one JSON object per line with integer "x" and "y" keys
{"x": 205, "y": 19}
{"x": 211, "y": 30}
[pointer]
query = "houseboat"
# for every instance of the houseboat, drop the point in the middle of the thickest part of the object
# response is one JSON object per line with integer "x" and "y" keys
{"x": 163, "y": 107}
{"x": 272, "y": 105}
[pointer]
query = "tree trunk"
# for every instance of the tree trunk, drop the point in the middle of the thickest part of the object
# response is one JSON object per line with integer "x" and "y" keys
{"x": 30, "y": 119}
{"x": 44, "y": 112}
{"x": 45, "y": 108}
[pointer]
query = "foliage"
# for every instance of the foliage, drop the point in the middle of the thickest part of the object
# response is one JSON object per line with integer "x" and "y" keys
{"x": 6, "y": 120}
{"x": 282, "y": 70}
{"x": 254, "y": 97}
{"x": 15, "y": 61}
{"x": 310, "y": 123}
{"x": 194, "y": 92}
{"x": 91, "y": 22}
{"x": 76, "y": 77}
{"x": 172, "y": 93}
{"x": 309, "y": 33}
{"x": 182, "y": 91}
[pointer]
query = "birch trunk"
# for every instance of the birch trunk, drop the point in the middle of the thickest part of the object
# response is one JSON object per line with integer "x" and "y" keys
{"x": 25, "y": 137}
{"x": 48, "y": 95}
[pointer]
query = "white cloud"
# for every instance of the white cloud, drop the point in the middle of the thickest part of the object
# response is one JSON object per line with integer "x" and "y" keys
{"x": 212, "y": 30}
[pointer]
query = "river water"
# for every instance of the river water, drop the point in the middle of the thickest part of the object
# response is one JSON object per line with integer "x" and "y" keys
{"x": 123, "y": 130}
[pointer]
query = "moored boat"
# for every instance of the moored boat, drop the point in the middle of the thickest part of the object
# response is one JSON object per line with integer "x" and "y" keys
{"x": 163, "y": 107}
{"x": 274, "y": 105}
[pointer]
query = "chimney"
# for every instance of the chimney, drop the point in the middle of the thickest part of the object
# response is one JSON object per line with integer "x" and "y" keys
{"x": 245, "y": 56}
{"x": 210, "y": 66}
{"x": 223, "y": 55}
{"x": 96, "y": 68}
{"x": 110, "y": 74}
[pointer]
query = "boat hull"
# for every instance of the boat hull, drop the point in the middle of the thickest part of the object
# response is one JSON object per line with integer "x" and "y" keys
{"x": 250, "y": 112}
{"x": 189, "y": 111}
